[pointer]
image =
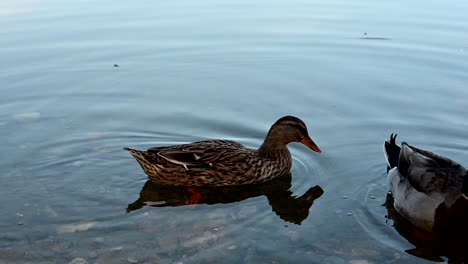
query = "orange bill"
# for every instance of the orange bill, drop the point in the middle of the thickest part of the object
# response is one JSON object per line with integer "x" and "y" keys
{"x": 310, "y": 143}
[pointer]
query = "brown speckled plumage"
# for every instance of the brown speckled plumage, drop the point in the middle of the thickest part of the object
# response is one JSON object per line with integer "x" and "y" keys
{"x": 225, "y": 162}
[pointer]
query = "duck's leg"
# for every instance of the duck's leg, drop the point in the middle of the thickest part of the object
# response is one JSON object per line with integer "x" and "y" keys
{"x": 195, "y": 197}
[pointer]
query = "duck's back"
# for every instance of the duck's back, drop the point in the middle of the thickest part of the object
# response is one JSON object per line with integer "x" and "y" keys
{"x": 204, "y": 152}
{"x": 425, "y": 186}
{"x": 430, "y": 173}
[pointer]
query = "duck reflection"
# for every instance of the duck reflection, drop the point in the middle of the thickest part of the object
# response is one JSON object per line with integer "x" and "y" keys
{"x": 288, "y": 207}
{"x": 452, "y": 243}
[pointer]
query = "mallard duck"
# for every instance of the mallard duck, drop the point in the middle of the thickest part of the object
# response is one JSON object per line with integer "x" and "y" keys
{"x": 225, "y": 162}
{"x": 429, "y": 190}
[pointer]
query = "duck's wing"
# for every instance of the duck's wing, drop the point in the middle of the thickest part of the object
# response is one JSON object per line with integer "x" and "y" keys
{"x": 203, "y": 154}
{"x": 428, "y": 172}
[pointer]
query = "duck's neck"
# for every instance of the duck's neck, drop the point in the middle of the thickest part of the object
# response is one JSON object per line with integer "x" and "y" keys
{"x": 272, "y": 148}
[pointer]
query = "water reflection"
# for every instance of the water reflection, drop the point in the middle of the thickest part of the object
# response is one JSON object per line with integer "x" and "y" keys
{"x": 282, "y": 201}
{"x": 452, "y": 244}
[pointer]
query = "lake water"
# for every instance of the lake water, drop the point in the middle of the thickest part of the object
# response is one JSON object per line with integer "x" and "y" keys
{"x": 79, "y": 80}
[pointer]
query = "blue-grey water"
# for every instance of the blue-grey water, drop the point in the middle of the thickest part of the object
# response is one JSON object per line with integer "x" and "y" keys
{"x": 81, "y": 79}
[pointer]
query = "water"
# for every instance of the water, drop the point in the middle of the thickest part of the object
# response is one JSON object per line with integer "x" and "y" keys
{"x": 80, "y": 80}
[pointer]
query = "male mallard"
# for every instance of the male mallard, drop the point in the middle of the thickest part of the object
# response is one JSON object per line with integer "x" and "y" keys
{"x": 429, "y": 190}
{"x": 225, "y": 162}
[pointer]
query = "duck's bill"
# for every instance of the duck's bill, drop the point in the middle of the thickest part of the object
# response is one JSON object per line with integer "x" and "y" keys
{"x": 311, "y": 144}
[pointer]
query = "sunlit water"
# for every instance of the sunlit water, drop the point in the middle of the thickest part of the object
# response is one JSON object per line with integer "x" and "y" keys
{"x": 79, "y": 80}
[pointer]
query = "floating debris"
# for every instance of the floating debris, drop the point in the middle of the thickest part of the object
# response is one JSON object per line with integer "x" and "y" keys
{"x": 375, "y": 38}
{"x": 372, "y": 38}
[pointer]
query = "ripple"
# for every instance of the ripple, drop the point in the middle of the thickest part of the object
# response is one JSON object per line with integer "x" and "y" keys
{"x": 194, "y": 70}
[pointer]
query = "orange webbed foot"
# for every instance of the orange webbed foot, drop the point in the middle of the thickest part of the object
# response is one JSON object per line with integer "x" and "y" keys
{"x": 195, "y": 197}
{"x": 423, "y": 235}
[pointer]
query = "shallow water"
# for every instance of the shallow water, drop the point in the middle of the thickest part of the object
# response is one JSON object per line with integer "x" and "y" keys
{"x": 80, "y": 80}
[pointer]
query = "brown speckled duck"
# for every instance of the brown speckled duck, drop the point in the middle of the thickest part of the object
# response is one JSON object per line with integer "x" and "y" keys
{"x": 225, "y": 162}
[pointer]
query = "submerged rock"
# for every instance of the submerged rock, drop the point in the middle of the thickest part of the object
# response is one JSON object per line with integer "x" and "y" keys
{"x": 75, "y": 227}
{"x": 247, "y": 211}
{"x": 93, "y": 254}
{"x": 132, "y": 260}
{"x": 60, "y": 247}
{"x": 359, "y": 261}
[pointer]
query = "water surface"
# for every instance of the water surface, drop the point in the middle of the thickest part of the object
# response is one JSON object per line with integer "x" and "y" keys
{"x": 80, "y": 80}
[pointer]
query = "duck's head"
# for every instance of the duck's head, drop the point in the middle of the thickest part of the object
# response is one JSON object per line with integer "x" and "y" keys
{"x": 289, "y": 129}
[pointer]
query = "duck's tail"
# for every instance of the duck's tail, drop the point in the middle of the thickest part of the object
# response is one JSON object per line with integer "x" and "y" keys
{"x": 392, "y": 152}
{"x": 135, "y": 153}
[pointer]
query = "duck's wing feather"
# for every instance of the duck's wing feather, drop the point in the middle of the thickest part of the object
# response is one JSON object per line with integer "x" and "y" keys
{"x": 428, "y": 172}
{"x": 203, "y": 154}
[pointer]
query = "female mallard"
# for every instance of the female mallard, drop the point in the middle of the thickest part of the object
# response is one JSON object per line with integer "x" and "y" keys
{"x": 429, "y": 190}
{"x": 225, "y": 162}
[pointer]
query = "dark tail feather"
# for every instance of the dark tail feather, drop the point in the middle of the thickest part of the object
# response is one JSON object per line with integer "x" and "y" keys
{"x": 127, "y": 149}
{"x": 392, "y": 152}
